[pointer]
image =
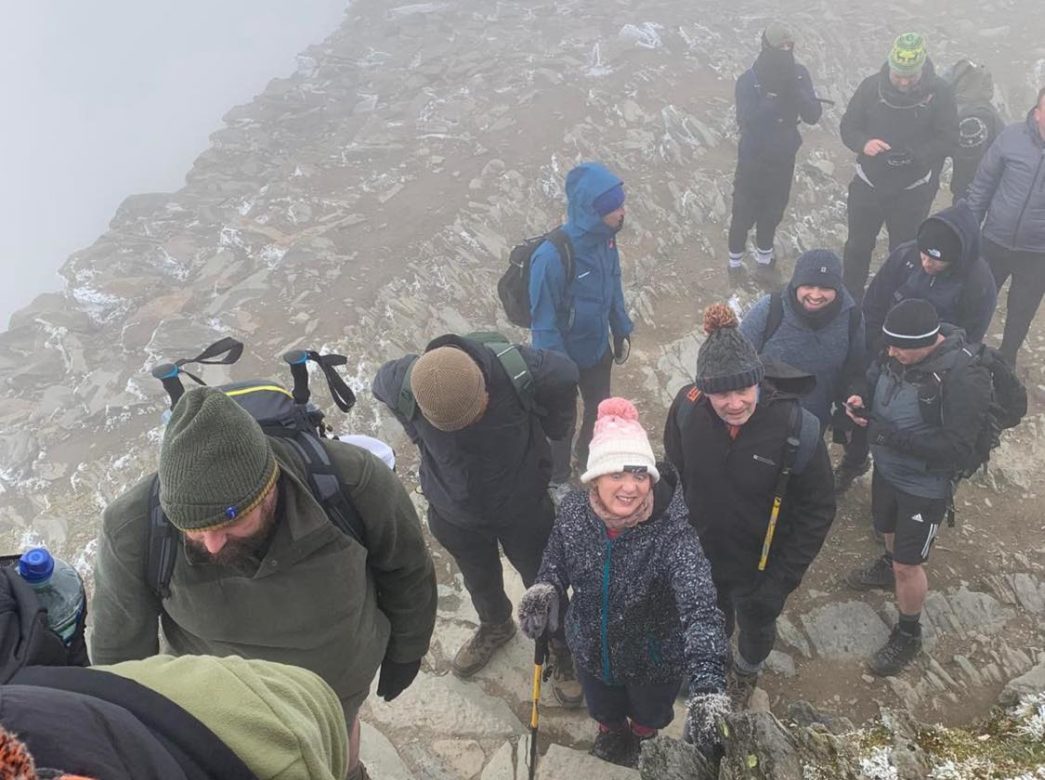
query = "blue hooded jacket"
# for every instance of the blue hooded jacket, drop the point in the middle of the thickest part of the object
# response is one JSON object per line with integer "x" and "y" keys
{"x": 964, "y": 295}
{"x": 576, "y": 318}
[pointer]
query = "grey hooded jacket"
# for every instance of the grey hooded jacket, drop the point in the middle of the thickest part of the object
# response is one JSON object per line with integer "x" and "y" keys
{"x": 1009, "y": 189}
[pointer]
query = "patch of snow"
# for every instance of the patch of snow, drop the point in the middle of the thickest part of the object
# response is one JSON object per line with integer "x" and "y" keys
{"x": 877, "y": 766}
{"x": 645, "y": 35}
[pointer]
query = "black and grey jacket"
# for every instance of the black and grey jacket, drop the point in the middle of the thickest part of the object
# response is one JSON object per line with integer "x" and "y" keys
{"x": 1009, "y": 189}
{"x": 643, "y": 608}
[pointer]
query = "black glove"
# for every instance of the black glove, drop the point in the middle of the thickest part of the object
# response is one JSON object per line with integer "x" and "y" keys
{"x": 841, "y": 425}
{"x": 621, "y": 349}
{"x": 396, "y": 677}
{"x": 881, "y": 433}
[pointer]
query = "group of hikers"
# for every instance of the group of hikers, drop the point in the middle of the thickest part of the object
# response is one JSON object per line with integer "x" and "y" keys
{"x": 299, "y": 572}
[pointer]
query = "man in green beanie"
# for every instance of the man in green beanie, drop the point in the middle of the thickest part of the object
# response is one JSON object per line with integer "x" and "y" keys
{"x": 727, "y": 435}
{"x": 262, "y": 571}
{"x": 901, "y": 122}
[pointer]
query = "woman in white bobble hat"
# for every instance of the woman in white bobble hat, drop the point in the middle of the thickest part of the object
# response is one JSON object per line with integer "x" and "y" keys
{"x": 643, "y": 615}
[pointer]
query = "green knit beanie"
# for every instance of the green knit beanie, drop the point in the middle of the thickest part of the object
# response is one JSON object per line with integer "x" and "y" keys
{"x": 907, "y": 57}
{"x": 215, "y": 463}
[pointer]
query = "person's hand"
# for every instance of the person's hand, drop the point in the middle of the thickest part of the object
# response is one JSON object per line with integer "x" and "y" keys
{"x": 876, "y": 146}
{"x": 396, "y": 677}
{"x": 539, "y": 610}
{"x": 621, "y": 349}
{"x": 841, "y": 425}
{"x": 704, "y": 714}
{"x": 854, "y": 404}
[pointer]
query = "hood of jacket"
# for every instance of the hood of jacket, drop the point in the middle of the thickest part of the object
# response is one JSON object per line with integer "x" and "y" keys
{"x": 962, "y": 221}
{"x": 944, "y": 355}
{"x": 584, "y": 184}
{"x": 784, "y": 381}
{"x": 921, "y": 92}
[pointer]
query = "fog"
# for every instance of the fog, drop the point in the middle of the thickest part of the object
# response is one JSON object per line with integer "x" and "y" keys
{"x": 107, "y": 99}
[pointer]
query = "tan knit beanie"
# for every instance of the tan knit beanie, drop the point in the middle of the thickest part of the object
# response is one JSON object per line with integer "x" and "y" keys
{"x": 215, "y": 463}
{"x": 449, "y": 388}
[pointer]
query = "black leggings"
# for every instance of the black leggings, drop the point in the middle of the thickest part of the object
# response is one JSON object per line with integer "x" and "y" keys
{"x": 761, "y": 191}
{"x": 1027, "y": 270}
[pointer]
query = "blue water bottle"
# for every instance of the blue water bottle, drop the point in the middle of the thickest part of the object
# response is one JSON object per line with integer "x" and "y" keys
{"x": 58, "y": 587}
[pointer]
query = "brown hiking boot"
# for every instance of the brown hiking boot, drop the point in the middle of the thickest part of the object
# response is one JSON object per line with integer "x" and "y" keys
{"x": 564, "y": 680}
{"x": 739, "y": 687}
{"x": 477, "y": 651}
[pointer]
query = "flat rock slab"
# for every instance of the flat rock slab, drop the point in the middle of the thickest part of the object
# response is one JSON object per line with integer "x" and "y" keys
{"x": 561, "y": 763}
{"x": 380, "y": 756}
{"x": 850, "y": 628}
{"x": 446, "y": 705}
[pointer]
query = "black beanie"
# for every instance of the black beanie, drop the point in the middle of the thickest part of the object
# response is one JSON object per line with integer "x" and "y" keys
{"x": 726, "y": 360}
{"x": 818, "y": 268}
{"x": 911, "y": 324}
{"x": 939, "y": 240}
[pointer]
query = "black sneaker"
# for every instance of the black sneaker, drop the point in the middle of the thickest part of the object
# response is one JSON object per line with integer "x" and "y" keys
{"x": 616, "y": 747}
{"x": 847, "y": 473}
{"x": 878, "y": 574}
{"x": 895, "y": 654}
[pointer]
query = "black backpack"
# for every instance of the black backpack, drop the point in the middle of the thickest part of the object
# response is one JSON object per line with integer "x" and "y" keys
{"x": 26, "y": 639}
{"x": 283, "y": 415}
{"x": 513, "y": 288}
{"x": 508, "y": 355}
{"x": 775, "y": 316}
{"x": 1008, "y": 403}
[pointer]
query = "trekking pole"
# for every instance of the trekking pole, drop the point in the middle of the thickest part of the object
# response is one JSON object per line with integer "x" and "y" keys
{"x": 778, "y": 497}
{"x": 540, "y": 655}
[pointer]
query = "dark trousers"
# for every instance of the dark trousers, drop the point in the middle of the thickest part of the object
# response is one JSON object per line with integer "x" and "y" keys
{"x": 858, "y": 447}
{"x": 868, "y": 209}
{"x": 594, "y": 386}
{"x": 650, "y": 704}
{"x": 475, "y": 550}
{"x": 1027, "y": 270}
{"x": 761, "y": 191}
{"x": 757, "y": 630}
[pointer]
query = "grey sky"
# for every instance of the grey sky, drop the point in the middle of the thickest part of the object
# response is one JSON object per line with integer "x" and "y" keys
{"x": 111, "y": 98}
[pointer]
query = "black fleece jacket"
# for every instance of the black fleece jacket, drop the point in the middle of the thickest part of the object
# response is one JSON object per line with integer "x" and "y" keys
{"x": 497, "y": 469}
{"x": 921, "y": 126}
{"x": 729, "y": 485}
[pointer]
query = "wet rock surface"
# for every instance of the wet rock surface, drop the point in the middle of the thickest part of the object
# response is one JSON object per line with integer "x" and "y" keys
{"x": 367, "y": 201}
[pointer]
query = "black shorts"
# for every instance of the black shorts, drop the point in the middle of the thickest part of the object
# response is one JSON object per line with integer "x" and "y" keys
{"x": 914, "y": 520}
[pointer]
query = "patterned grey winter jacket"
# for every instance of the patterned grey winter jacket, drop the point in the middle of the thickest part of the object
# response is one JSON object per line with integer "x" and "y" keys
{"x": 643, "y": 608}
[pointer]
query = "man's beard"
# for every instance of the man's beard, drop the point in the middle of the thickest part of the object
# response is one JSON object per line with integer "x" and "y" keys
{"x": 244, "y": 556}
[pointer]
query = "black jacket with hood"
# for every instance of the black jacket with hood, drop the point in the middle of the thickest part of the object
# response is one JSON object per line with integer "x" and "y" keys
{"x": 729, "y": 483}
{"x": 920, "y": 126}
{"x": 497, "y": 469}
{"x": 963, "y": 295}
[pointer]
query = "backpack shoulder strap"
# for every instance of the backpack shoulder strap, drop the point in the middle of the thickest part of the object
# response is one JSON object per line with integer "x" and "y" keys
{"x": 162, "y": 545}
{"x": 805, "y": 427}
{"x": 774, "y": 317}
{"x": 519, "y": 373}
{"x": 564, "y": 247}
{"x": 406, "y": 404}
{"x": 326, "y": 485}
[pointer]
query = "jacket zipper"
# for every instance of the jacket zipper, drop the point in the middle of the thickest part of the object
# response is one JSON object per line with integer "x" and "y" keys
{"x": 604, "y": 618}
{"x": 1030, "y": 194}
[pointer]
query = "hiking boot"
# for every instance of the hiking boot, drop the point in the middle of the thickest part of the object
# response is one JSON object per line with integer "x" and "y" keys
{"x": 877, "y": 574}
{"x": 564, "y": 680}
{"x": 616, "y": 747}
{"x": 895, "y": 654}
{"x": 558, "y": 491}
{"x": 477, "y": 651}
{"x": 739, "y": 687}
{"x": 767, "y": 275}
{"x": 847, "y": 473}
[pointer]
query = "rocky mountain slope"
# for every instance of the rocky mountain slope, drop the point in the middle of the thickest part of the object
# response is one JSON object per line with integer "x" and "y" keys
{"x": 367, "y": 202}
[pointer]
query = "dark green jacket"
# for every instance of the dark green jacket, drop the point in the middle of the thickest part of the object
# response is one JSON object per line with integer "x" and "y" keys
{"x": 314, "y": 601}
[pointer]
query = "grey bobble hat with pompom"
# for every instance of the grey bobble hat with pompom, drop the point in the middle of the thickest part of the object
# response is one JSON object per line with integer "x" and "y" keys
{"x": 726, "y": 360}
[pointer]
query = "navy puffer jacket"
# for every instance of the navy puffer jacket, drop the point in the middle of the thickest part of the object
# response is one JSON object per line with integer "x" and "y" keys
{"x": 643, "y": 608}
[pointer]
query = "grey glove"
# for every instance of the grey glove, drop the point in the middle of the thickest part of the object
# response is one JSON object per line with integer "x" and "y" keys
{"x": 704, "y": 713}
{"x": 539, "y": 610}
